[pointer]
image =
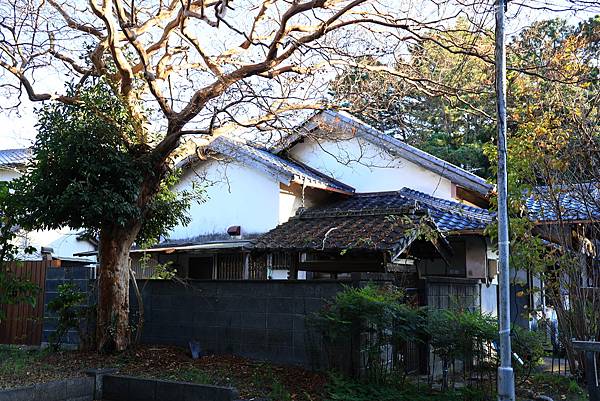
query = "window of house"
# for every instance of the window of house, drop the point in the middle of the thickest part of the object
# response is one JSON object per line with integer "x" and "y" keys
{"x": 200, "y": 268}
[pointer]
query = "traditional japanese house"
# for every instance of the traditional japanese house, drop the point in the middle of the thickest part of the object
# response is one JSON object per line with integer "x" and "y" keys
{"x": 432, "y": 244}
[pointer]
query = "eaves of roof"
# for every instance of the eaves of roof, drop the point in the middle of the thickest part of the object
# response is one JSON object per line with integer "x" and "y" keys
{"x": 14, "y": 158}
{"x": 384, "y": 218}
{"x": 286, "y": 171}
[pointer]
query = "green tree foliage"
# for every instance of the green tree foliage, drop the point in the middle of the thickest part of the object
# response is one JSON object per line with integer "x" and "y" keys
{"x": 553, "y": 149}
{"x": 450, "y": 114}
{"x": 552, "y": 88}
{"x": 92, "y": 169}
{"x": 89, "y": 161}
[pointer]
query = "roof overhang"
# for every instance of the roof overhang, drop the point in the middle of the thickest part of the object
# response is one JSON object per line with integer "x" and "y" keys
{"x": 213, "y": 246}
{"x": 209, "y": 246}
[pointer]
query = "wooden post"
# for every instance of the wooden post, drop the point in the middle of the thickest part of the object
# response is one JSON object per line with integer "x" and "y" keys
{"x": 215, "y": 267}
{"x": 591, "y": 348}
{"x": 246, "y": 266}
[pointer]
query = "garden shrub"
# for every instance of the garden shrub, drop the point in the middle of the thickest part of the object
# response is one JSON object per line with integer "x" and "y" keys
{"x": 380, "y": 315}
{"x": 529, "y": 347}
{"x": 70, "y": 310}
{"x": 345, "y": 389}
{"x": 375, "y": 318}
{"x": 460, "y": 335}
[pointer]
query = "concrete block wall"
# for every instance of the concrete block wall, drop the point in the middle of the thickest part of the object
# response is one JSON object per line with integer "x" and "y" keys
{"x": 80, "y": 276}
{"x": 76, "y": 389}
{"x": 125, "y": 388}
{"x": 109, "y": 387}
{"x": 257, "y": 319}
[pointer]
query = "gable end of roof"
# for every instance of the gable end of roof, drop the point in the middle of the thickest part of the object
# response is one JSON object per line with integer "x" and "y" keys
{"x": 450, "y": 171}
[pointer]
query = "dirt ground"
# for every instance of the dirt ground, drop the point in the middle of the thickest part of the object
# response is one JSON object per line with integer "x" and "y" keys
{"x": 21, "y": 367}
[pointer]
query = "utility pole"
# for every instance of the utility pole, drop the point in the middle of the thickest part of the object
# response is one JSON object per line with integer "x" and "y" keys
{"x": 506, "y": 378}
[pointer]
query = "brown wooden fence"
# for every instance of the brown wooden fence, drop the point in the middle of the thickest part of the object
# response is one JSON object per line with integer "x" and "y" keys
{"x": 23, "y": 323}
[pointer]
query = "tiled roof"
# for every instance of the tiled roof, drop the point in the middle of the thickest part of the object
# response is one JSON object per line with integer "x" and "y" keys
{"x": 395, "y": 146}
{"x": 14, "y": 157}
{"x": 450, "y": 215}
{"x": 373, "y": 221}
{"x": 338, "y": 231}
{"x": 573, "y": 203}
{"x": 287, "y": 170}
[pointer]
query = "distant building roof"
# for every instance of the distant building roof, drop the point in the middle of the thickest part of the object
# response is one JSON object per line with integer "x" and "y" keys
{"x": 579, "y": 202}
{"x": 14, "y": 157}
{"x": 372, "y": 221}
{"x": 395, "y": 146}
{"x": 284, "y": 169}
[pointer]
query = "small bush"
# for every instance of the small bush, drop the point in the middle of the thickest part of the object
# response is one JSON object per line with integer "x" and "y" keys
{"x": 279, "y": 392}
{"x": 461, "y": 335}
{"x": 343, "y": 389}
{"x": 194, "y": 375}
{"x": 529, "y": 347}
{"x": 356, "y": 308}
{"x": 372, "y": 319}
{"x": 70, "y": 311}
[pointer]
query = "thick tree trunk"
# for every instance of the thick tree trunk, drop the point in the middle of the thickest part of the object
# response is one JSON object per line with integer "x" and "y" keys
{"x": 113, "y": 329}
{"x": 113, "y": 332}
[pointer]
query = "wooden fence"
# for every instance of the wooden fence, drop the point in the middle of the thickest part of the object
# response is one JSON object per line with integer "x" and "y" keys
{"x": 23, "y": 323}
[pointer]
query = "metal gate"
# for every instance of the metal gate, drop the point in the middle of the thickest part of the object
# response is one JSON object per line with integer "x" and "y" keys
{"x": 23, "y": 323}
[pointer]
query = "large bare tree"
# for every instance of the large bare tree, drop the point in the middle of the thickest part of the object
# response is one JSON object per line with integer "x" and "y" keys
{"x": 200, "y": 67}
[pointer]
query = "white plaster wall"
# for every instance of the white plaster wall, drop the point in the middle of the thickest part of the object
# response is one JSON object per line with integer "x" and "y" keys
{"x": 64, "y": 242}
{"x": 368, "y": 168}
{"x": 235, "y": 195}
{"x": 67, "y": 244}
{"x": 8, "y": 174}
{"x": 489, "y": 299}
{"x": 289, "y": 202}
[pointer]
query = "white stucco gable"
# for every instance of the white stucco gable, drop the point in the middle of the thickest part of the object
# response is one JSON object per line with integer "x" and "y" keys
{"x": 8, "y": 174}
{"x": 64, "y": 242}
{"x": 367, "y": 167}
{"x": 349, "y": 150}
